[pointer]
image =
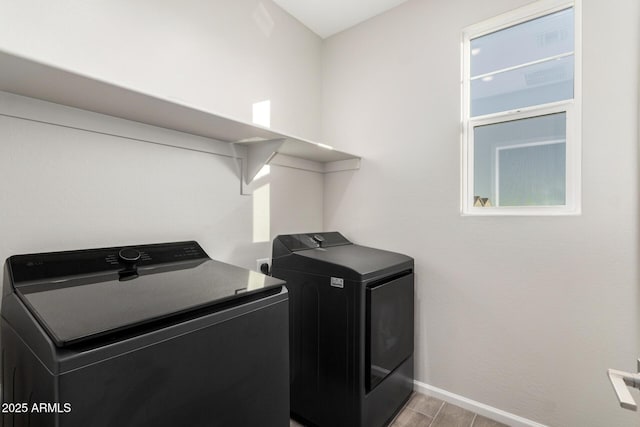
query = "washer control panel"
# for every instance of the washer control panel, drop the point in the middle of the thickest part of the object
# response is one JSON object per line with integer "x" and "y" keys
{"x": 40, "y": 267}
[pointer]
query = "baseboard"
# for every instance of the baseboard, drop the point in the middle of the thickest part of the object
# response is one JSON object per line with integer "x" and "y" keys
{"x": 477, "y": 407}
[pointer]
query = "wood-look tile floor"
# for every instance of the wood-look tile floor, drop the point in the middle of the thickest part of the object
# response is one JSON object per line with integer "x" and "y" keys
{"x": 426, "y": 411}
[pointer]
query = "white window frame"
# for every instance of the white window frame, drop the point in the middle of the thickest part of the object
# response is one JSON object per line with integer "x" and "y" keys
{"x": 571, "y": 107}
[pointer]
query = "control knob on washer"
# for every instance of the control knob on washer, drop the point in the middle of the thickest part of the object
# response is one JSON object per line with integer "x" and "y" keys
{"x": 129, "y": 255}
{"x": 129, "y": 258}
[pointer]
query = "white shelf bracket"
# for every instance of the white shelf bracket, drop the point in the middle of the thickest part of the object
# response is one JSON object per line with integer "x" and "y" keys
{"x": 620, "y": 380}
{"x": 258, "y": 155}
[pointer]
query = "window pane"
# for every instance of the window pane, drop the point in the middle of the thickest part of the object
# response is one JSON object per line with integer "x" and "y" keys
{"x": 521, "y": 162}
{"x": 533, "y": 40}
{"x": 532, "y": 175}
{"x": 523, "y": 87}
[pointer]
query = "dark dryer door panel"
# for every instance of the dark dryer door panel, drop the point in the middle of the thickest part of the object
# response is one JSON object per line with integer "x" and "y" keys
{"x": 389, "y": 326}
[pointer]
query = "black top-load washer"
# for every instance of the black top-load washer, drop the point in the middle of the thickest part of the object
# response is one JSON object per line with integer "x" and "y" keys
{"x": 150, "y": 335}
{"x": 351, "y": 329}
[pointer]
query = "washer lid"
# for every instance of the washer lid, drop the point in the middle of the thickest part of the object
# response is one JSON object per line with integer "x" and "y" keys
{"x": 98, "y": 301}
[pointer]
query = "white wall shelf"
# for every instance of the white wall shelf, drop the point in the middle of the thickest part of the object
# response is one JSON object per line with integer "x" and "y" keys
{"x": 35, "y": 79}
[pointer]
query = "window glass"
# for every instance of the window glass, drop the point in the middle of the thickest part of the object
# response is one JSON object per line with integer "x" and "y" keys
{"x": 535, "y": 40}
{"x": 521, "y": 162}
{"x": 532, "y": 175}
{"x": 523, "y": 87}
{"x": 528, "y": 64}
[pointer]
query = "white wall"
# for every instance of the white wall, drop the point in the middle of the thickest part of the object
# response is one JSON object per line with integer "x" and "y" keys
{"x": 521, "y": 313}
{"x": 63, "y": 188}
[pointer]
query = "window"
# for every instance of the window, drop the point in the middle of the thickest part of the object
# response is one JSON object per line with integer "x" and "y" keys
{"x": 521, "y": 112}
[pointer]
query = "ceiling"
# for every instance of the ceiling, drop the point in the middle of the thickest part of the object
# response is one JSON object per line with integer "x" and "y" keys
{"x": 328, "y": 17}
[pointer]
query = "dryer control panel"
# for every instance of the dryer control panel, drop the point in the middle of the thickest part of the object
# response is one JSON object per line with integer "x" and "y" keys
{"x": 301, "y": 242}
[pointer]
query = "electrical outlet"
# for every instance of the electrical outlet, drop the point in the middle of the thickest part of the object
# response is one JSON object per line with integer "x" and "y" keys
{"x": 261, "y": 261}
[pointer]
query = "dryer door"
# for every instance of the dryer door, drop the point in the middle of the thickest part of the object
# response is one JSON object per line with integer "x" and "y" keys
{"x": 389, "y": 330}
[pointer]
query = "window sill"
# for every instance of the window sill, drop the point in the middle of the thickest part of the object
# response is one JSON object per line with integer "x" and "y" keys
{"x": 522, "y": 211}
